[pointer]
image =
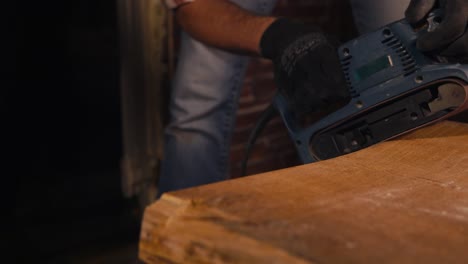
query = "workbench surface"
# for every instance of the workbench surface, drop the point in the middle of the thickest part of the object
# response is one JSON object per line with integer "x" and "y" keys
{"x": 401, "y": 201}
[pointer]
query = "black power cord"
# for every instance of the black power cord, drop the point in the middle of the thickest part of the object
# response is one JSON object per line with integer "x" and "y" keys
{"x": 266, "y": 116}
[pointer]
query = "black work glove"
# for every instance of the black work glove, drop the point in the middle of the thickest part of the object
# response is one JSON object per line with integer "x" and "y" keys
{"x": 450, "y": 38}
{"x": 307, "y": 67}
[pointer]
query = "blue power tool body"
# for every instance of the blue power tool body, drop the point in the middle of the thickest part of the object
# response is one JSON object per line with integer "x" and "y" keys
{"x": 395, "y": 89}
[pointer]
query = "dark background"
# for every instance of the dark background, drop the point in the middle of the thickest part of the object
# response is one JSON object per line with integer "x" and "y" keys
{"x": 65, "y": 113}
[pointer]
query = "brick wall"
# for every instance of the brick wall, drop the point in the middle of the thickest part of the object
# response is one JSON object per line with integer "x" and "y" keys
{"x": 273, "y": 149}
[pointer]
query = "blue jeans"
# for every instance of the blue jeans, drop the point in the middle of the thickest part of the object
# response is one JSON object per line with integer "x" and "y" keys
{"x": 202, "y": 108}
{"x": 204, "y": 97}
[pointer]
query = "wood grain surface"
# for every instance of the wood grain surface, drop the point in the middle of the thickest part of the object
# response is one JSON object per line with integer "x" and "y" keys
{"x": 401, "y": 201}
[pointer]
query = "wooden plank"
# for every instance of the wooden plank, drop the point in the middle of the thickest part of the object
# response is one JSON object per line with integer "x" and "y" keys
{"x": 402, "y": 201}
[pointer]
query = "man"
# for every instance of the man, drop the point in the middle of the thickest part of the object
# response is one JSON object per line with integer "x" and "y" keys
{"x": 209, "y": 74}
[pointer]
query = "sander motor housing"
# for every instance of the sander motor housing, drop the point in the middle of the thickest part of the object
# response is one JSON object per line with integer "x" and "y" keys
{"x": 394, "y": 88}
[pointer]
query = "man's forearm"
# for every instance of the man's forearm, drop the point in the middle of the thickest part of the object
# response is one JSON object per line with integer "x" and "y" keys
{"x": 223, "y": 24}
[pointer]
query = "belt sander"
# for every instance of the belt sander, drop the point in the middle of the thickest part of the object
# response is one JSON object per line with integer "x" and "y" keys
{"x": 395, "y": 89}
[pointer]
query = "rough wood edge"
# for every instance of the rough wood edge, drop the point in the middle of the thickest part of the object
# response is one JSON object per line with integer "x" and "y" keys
{"x": 182, "y": 231}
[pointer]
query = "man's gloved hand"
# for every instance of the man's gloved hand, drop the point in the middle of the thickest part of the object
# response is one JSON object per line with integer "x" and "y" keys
{"x": 450, "y": 38}
{"x": 307, "y": 67}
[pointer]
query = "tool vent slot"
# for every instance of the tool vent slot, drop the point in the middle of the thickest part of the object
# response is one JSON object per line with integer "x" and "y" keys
{"x": 345, "y": 63}
{"x": 407, "y": 61}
